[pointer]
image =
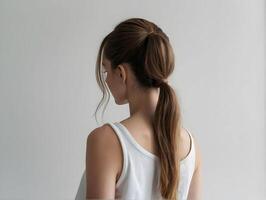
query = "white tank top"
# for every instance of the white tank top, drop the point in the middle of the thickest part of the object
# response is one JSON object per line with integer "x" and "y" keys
{"x": 139, "y": 178}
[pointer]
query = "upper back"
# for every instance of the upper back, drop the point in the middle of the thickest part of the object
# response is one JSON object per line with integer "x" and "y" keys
{"x": 144, "y": 136}
{"x": 139, "y": 167}
{"x": 138, "y": 176}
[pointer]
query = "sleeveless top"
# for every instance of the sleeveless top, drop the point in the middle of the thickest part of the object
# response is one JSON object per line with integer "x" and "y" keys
{"x": 140, "y": 173}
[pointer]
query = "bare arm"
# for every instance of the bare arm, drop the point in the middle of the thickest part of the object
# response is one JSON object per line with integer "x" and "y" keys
{"x": 196, "y": 182}
{"x": 101, "y": 165}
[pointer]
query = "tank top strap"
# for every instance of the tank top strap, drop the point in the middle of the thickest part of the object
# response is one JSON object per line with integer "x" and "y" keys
{"x": 192, "y": 146}
{"x": 191, "y": 137}
{"x": 121, "y": 138}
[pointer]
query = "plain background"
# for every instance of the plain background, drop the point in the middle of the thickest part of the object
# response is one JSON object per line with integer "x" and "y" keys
{"x": 49, "y": 92}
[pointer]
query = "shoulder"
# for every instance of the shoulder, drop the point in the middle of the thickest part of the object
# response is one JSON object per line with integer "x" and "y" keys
{"x": 198, "y": 158}
{"x": 196, "y": 181}
{"x": 185, "y": 145}
{"x": 101, "y": 134}
{"x": 103, "y": 142}
{"x": 102, "y": 162}
{"x": 102, "y": 139}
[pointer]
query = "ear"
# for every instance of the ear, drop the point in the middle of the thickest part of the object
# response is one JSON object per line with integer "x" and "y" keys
{"x": 122, "y": 72}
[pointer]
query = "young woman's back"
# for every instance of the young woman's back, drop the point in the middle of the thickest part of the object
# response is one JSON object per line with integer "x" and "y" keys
{"x": 138, "y": 173}
{"x": 149, "y": 155}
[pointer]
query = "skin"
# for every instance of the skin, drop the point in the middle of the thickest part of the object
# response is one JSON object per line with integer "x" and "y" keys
{"x": 104, "y": 158}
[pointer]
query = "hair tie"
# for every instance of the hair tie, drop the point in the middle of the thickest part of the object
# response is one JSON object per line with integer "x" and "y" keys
{"x": 165, "y": 81}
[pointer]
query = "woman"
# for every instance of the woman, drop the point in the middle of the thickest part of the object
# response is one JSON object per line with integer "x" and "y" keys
{"x": 149, "y": 155}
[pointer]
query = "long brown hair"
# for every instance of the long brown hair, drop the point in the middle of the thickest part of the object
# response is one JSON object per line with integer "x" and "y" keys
{"x": 147, "y": 49}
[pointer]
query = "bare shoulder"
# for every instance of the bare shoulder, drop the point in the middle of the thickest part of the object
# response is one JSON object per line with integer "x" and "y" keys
{"x": 103, "y": 134}
{"x": 104, "y": 139}
{"x": 197, "y": 152}
{"x": 103, "y": 142}
{"x": 186, "y": 146}
{"x": 102, "y": 162}
{"x": 195, "y": 189}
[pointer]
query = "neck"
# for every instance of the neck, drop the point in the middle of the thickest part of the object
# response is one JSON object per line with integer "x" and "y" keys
{"x": 143, "y": 104}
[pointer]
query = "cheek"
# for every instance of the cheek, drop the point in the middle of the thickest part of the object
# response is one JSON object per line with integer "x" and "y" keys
{"x": 118, "y": 91}
{"x": 119, "y": 95}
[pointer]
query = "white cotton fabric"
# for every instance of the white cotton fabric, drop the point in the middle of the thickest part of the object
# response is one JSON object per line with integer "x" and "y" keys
{"x": 139, "y": 178}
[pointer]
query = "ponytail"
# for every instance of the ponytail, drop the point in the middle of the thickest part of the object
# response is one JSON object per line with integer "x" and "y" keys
{"x": 166, "y": 121}
{"x": 166, "y": 124}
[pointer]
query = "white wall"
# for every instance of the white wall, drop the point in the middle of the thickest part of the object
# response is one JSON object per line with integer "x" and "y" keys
{"x": 49, "y": 93}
